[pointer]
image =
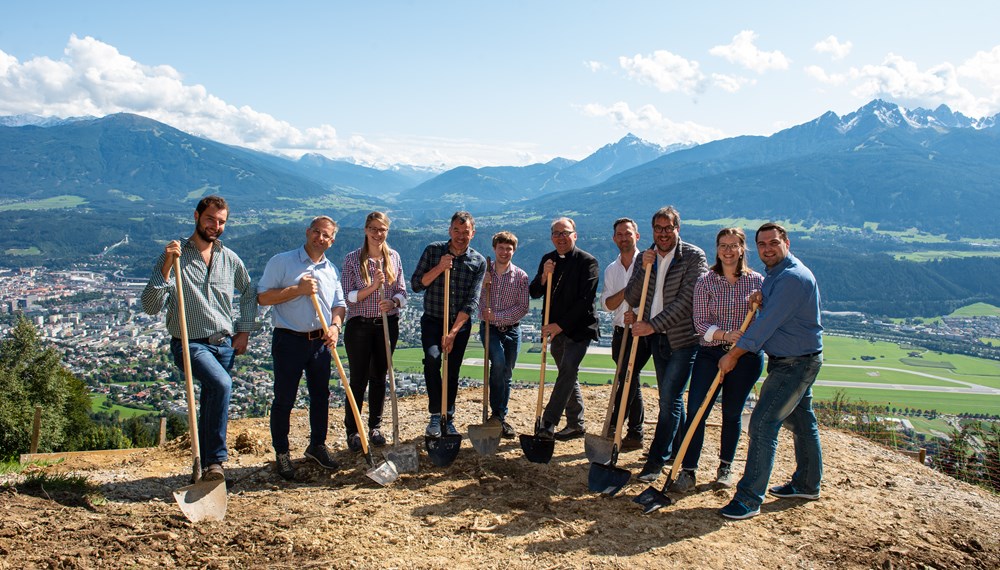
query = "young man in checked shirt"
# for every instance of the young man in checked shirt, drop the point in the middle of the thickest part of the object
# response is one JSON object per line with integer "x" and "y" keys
{"x": 508, "y": 304}
{"x": 467, "y": 270}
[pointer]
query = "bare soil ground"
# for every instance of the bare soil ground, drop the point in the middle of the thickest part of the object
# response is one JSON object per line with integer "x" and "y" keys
{"x": 878, "y": 510}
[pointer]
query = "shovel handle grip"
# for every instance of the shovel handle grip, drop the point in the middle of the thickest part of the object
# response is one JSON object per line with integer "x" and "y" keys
{"x": 188, "y": 374}
{"x": 623, "y": 400}
{"x": 541, "y": 375}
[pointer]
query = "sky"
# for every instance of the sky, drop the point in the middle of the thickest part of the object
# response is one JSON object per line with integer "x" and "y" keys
{"x": 448, "y": 83}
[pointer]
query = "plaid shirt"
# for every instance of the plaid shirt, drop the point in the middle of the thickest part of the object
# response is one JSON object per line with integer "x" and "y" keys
{"x": 368, "y": 307}
{"x": 467, "y": 272}
{"x": 721, "y": 305}
{"x": 208, "y": 293}
{"x": 508, "y": 296}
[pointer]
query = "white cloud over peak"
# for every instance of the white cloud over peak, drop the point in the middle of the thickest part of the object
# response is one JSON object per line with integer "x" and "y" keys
{"x": 666, "y": 71}
{"x": 594, "y": 66}
{"x": 742, "y": 51}
{"x": 648, "y": 123}
{"x": 730, "y": 83}
{"x": 834, "y": 47}
{"x": 902, "y": 80}
{"x": 819, "y": 74}
{"x": 984, "y": 67}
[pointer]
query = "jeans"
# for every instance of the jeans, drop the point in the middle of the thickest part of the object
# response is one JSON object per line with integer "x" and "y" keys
{"x": 566, "y": 394}
{"x": 210, "y": 366}
{"x": 292, "y": 355}
{"x": 673, "y": 367}
{"x": 735, "y": 388}
{"x": 785, "y": 398}
{"x": 431, "y": 332}
{"x": 634, "y": 405}
{"x": 364, "y": 341}
{"x": 504, "y": 347}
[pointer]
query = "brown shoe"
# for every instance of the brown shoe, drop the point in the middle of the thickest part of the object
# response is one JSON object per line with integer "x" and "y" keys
{"x": 213, "y": 472}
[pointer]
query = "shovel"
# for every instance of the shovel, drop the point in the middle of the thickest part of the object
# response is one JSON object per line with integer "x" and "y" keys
{"x": 404, "y": 457}
{"x": 485, "y": 437}
{"x": 444, "y": 449}
{"x": 536, "y": 448}
{"x": 384, "y": 473}
{"x": 592, "y": 444}
{"x": 202, "y": 500}
{"x": 652, "y": 499}
{"x": 605, "y": 477}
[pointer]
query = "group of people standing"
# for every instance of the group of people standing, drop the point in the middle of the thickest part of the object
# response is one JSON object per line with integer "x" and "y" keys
{"x": 689, "y": 326}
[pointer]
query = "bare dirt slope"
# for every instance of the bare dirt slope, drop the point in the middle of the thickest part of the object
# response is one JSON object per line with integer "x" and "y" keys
{"x": 878, "y": 510}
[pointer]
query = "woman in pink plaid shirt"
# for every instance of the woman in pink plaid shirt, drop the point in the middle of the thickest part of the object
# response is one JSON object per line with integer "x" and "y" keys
{"x": 375, "y": 289}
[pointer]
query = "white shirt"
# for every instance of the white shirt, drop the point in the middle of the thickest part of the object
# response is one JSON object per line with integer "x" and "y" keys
{"x": 662, "y": 265}
{"x": 615, "y": 279}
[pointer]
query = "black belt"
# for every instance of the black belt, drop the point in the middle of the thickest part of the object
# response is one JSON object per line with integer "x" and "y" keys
{"x": 377, "y": 321}
{"x": 810, "y": 355}
{"x": 311, "y": 335}
{"x": 505, "y": 328}
{"x": 215, "y": 340}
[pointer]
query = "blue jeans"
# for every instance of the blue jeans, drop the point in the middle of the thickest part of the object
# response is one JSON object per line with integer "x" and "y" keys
{"x": 210, "y": 366}
{"x": 735, "y": 388}
{"x": 673, "y": 367}
{"x": 566, "y": 395}
{"x": 292, "y": 355}
{"x": 431, "y": 333}
{"x": 503, "y": 356}
{"x": 785, "y": 398}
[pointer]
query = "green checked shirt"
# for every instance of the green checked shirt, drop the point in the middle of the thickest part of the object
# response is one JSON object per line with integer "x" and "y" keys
{"x": 208, "y": 293}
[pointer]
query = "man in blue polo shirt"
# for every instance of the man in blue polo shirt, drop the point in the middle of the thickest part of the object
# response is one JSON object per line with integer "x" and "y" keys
{"x": 298, "y": 343}
{"x": 788, "y": 329}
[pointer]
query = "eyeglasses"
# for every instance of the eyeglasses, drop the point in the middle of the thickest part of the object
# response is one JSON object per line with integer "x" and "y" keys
{"x": 664, "y": 229}
{"x": 564, "y": 234}
{"x": 323, "y": 235}
{"x": 729, "y": 247}
{"x": 377, "y": 230}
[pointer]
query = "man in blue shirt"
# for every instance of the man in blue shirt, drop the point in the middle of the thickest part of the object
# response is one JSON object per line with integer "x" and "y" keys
{"x": 298, "y": 344}
{"x": 788, "y": 329}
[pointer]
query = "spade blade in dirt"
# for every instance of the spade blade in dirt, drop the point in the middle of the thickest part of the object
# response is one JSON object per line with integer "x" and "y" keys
{"x": 443, "y": 450}
{"x": 384, "y": 473}
{"x": 203, "y": 501}
{"x": 652, "y": 499}
{"x": 537, "y": 449}
{"x": 607, "y": 479}
{"x": 598, "y": 449}
{"x": 485, "y": 438}
{"x": 404, "y": 457}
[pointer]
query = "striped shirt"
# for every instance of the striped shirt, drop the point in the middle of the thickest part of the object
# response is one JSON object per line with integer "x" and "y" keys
{"x": 467, "y": 274}
{"x": 208, "y": 293}
{"x": 508, "y": 296}
{"x": 368, "y": 307}
{"x": 718, "y": 304}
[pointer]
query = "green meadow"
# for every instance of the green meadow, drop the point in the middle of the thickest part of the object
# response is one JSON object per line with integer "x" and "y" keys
{"x": 97, "y": 405}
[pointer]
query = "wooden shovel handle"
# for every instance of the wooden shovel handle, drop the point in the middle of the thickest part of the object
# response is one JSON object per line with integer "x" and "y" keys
{"x": 188, "y": 374}
{"x": 486, "y": 339}
{"x": 623, "y": 400}
{"x": 541, "y": 376}
{"x": 444, "y": 353}
{"x": 392, "y": 373}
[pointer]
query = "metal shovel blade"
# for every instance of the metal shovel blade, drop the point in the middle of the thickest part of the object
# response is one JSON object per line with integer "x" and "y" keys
{"x": 384, "y": 473}
{"x": 598, "y": 449}
{"x": 485, "y": 438}
{"x": 203, "y": 501}
{"x": 404, "y": 457}
{"x": 607, "y": 479}
{"x": 652, "y": 499}
{"x": 537, "y": 449}
{"x": 443, "y": 450}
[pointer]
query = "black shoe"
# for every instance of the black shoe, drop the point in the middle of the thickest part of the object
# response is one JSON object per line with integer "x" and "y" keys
{"x": 507, "y": 430}
{"x": 567, "y": 433}
{"x": 631, "y": 443}
{"x": 375, "y": 438}
{"x": 650, "y": 473}
{"x": 321, "y": 455}
{"x": 283, "y": 465}
{"x": 354, "y": 443}
{"x": 546, "y": 431}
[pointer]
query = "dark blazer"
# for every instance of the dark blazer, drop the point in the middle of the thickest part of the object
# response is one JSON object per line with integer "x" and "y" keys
{"x": 574, "y": 290}
{"x": 675, "y": 320}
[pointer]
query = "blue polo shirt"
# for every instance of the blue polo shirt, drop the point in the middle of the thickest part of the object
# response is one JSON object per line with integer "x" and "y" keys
{"x": 287, "y": 269}
{"x": 789, "y": 322}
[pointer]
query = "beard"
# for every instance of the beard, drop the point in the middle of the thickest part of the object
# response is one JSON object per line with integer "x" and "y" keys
{"x": 203, "y": 234}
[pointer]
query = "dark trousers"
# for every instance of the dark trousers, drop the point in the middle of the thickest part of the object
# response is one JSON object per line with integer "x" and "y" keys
{"x": 634, "y": 405}
{"x": 293, "y": 355}
{"x": 364, "y": 340}
{"x": 431, "y": 332}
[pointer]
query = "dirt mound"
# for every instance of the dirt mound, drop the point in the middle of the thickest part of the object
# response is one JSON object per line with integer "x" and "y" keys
{"x": 878, "y": 509}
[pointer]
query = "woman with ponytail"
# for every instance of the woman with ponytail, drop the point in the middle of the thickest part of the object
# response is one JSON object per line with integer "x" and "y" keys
{"x": 375, "y": 289}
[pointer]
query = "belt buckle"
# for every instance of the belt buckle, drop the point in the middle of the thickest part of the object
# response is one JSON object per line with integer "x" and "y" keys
{"x": 216, "y": 339}
{"x": 726, "y": 347}
{"x": 313, "y": 335}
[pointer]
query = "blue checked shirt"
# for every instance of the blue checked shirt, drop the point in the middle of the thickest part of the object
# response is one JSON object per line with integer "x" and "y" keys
{"x": 467, "y": 272}
{"x": 286, "y": 270}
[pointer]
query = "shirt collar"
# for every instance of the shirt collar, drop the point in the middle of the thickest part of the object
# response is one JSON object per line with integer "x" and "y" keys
{"x": 304, "y": 257}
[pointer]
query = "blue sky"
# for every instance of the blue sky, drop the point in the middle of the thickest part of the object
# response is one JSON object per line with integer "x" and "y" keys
{"x": 488, "y": 83}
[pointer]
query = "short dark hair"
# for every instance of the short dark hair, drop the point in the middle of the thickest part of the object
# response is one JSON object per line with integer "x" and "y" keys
{"x": 614, "y": 226}
{"x": 772, "y": 226}
{"x": 463, "y": 217}
{"x": 213, "y": 200}
{"x": 505, "y": 237}
{"x": 326, "y": 219}
{"x": 670, "y": 213}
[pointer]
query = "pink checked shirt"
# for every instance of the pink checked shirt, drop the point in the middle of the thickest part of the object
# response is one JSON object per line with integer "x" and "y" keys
{"x": 368, "y": 307}
{"x": 508, "y": 296}
{"x": 721, "y": 305}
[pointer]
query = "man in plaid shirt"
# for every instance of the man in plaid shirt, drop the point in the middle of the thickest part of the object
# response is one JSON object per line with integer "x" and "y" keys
{"x": 467, "y": 270}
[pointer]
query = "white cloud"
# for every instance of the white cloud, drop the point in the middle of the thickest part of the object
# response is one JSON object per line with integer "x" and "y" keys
{"x": 742, "y": 51}
{"x": 648, "y": 123}
{"x": 594, "y": 66}
{"x": 983, "y": 67}
{"x": 666, "y": 71}
{"x": 903, "y": 81}
{"x": 819, "y": 74}
{"x": 832, "y": 46}
{"x": 730, "y": 83}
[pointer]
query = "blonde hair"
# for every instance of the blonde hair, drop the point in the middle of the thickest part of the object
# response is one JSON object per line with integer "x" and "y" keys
{"x": 390, "y": 271}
